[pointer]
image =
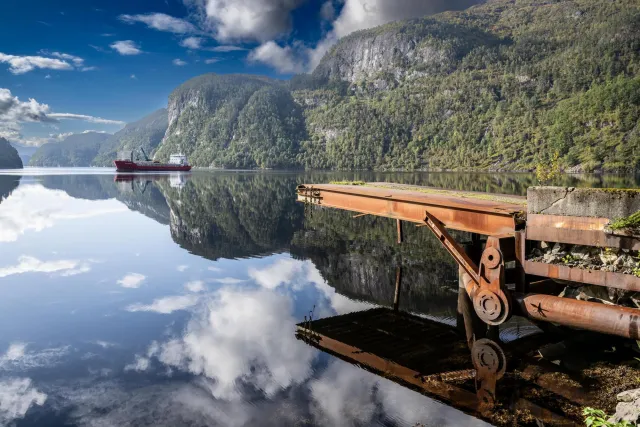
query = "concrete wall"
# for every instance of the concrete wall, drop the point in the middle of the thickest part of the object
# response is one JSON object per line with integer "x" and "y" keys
{"x": 592, "y": 202}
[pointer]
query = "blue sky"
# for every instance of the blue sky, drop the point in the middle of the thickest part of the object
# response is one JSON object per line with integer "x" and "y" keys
{"x": 76, "y": 65}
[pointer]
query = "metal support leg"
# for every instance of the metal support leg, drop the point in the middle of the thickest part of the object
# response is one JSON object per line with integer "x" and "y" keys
{"x": 396, "y": 296}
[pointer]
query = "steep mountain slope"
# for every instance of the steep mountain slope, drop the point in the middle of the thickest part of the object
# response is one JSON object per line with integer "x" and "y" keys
{"x": 146, "y": 133}
{"x": 24, "y": 151}
{"x": 502, "y": 85}
{"x": 76, "y": 150}
{"x": 233, "y": 121}
{"x": 9, "y": 158}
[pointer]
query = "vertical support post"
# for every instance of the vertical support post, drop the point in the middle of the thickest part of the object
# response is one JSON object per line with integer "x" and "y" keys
{"x": 396, "y": 296}
{"x": 520, "y": 276}
{"x": 467, "y": 320}
{"x": 399, "y": 228}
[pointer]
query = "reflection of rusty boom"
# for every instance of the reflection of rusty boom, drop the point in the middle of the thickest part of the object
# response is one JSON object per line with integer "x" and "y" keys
{"x": 485, "y": 274}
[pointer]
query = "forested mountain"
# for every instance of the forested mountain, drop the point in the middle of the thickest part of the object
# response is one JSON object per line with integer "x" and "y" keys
{"x": 499, "y": 86}
{"x": 234, "y": 121}
{"x": 76, "y": 150}
{"x": 9, "y": 158}
{"x": 146, "y": 133}
{"x": 503, "y": 85}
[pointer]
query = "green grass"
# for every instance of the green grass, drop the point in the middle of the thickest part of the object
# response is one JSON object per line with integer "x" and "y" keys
{"x": 630, "y": 222}
{"x": 347, "y": 182}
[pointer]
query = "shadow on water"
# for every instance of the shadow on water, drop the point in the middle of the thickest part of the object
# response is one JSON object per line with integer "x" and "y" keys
{"x": 514, "y": 376}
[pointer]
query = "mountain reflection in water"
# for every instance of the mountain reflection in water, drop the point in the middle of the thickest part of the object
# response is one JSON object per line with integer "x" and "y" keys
{"x": 173, "y": 300}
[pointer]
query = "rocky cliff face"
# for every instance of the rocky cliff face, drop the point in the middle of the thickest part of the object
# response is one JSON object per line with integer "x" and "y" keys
{"x": 233, "y": 121}
{"x": 400, "y": 50}
{"x": 382, "y": 56}
{"x": 9, "y": 158}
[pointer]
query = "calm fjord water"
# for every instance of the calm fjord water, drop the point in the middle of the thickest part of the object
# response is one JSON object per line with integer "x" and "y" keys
{"x": 172, "y": 300}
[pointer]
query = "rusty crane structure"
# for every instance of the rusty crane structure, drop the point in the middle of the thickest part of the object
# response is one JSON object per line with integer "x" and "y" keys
{"x": 495, "y": 272}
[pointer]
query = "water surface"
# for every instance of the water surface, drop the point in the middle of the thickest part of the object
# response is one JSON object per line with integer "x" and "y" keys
{"x": 172, "y": 300}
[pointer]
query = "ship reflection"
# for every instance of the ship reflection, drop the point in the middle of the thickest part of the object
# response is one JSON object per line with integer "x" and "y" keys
{"x": 133, "y": 182}
{"x": 505, "y": 383}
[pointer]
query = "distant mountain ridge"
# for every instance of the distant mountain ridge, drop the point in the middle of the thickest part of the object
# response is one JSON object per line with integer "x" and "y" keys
{"x": 146, "y": 133}
{"x": 24, "y": 151}
{"x": 76, "y": 150}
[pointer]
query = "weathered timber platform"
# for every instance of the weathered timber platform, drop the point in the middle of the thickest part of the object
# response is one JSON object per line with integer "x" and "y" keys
{"x": 493, "y": 381}
{"x": 514, "y": 226}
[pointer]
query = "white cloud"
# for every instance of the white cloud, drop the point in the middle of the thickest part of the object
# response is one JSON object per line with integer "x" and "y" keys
{"x": 85, "y": 69}
{"x": 13, "y": 112}
{"x": 192, "y": 42}
{"x": 14, "y": 352}
{"x": 126, "y": 47}
{"x": 226, "y": 48}
{"x": 182, "y": 268}
{"x": 29, "y": 264}
{"x": 105, "y": 344}
{"x": 76, "y": 60}
{"x": 90, "y": 119}
{"x": 48, "y": 76}
{"x": 214, "y": 269}
{"x": 211, "y": 60}
{"x": 295, "y": 275}
{"x": 179, "y": 62}
{"x": 17, "y": 396}
{"x": 167, "y": 305}
{"x": 24, "y": 64}
{"x": 228, "y": 281}
{"x": 282, "y": 59}
{"x": 18, "y": 359}
{"x": 259, "y": 20}
{"x": 195, "y": 286}
{"x": 133, "y": 76}
{"x": 327, "y": 11}
{"x": 238, "y": 332}
{"x": 161, "y": 22}
{"x": 139, "y": 365}
{"x": 35, "y": 208}
{"x": 132, "y": 280}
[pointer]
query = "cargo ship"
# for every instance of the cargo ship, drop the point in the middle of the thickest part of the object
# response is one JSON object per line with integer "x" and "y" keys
{"x": 126, "y": 163}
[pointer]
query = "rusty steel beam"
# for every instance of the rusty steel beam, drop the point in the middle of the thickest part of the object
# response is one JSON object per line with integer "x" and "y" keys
{"x": 459, "y": 213}
{"x": 577, "y": 231}
{"x": 610, "y": 279}
{"x": 607, "y": 319}
{"x": 457, "y": 252}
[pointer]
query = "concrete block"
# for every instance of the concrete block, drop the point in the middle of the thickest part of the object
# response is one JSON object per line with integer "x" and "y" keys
{"x": 611, "y": 203}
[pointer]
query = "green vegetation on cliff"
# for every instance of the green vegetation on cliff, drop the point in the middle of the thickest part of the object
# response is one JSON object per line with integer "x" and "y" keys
{"x": 503, "y": 85}
{"x": 233, "y": 121}
{"x": 76, "y": 150}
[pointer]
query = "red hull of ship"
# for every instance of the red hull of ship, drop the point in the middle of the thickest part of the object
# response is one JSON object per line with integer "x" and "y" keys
{"x": 127, "y": 166}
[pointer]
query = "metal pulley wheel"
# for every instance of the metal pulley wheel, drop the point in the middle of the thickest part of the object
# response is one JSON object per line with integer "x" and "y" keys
{"x": 492, "y": 307}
